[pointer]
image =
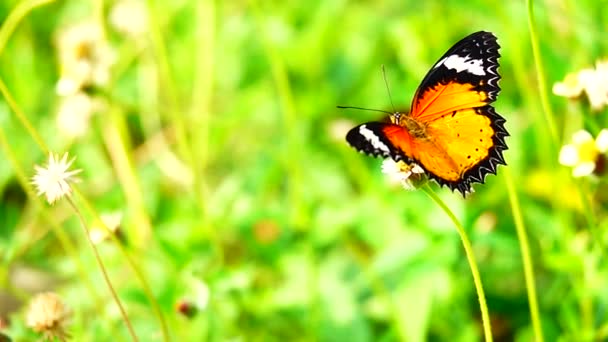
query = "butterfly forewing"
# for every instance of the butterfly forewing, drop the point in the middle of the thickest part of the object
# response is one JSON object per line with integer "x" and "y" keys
{"x": 469, "y": 68}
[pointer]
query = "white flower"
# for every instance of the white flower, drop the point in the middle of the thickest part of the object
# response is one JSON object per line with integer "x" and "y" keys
{"x": 74, "y": 114}
{"x": 85, "y": 57}
{"x": 594, "y": 82}
{"x": 54, "y": 180}
{"x": 571, "y": 86}
{"x": 129, "y": 17}
{"x": 400, "y": 172}
{"x": 584, "y": 151}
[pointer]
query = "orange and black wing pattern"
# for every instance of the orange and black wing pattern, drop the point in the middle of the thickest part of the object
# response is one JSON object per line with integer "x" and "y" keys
{"x": 452, "y": 130}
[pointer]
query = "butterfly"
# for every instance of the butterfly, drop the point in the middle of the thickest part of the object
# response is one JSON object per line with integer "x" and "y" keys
{"x": 452, "y": 131}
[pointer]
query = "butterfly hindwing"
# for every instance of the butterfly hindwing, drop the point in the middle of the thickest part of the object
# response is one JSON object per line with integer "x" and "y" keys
{"x": 372, "y": 139}
{"x": 472, "y": 148}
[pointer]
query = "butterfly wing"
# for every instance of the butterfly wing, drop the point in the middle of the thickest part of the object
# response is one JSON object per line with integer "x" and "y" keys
{"x": 381, "y": 139}
{"x": 466, "y": 76}
{"x": 464, "y": 136}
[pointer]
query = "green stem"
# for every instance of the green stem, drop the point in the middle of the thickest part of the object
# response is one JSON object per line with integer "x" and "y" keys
{"x": 15, "y": 16}
{"x": 136, "y": 269}
{"x": 170, "y": 90}
{"x": 485, "y": 316}
{"x": 522, "y": 236}
{"x": 118, "y": 145}
{"x": 21, "y": 117}
{"x": 540, "y": 75}
{"x": 587, "y": 208}
{"x": 288, "y": 108}
{"x": 103, "y": 270}
{"x": 200, "y": 117}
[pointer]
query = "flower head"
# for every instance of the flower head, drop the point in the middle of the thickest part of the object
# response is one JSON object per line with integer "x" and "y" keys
{"x": 85, "y": 57}
{"x": 594, "y": 82}
{"x": 47, "y": 314}
{"x": 75, "y": 112}
{"x": 411, "y": 176}
{"x": 584, "y": 153}
{"x": 129, "y": 17}
{"x": 54, "y": 180}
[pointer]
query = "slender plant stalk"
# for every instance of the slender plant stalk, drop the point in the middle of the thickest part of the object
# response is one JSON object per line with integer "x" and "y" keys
{"x": 182, "y": 123}
{"x": 522, "y": 236}
{"x": 21, "y": 117}
{"x": 200, "y": 117}
{"x": 485, "y": 316}
{"x": 587, "y": 208}
{"x": 136, "y": 269}
{"x": 540, "y": 75}
{"x": 116, "y": 141}
{"x": 14, "y": 18}
{"x": 170, "y": 90}
{"x": 125, "y": 317}
{"x": 288, "y": 107}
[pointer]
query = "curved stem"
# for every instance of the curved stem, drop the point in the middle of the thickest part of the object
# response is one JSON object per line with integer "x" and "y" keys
{"x": 21, "y": 117}
{"x": 485, "y": 316}
{"x": 540, "y": 75}
{"x": 15, "y": 16}
{"x": 103, "y": 271}
{"x": 526, "y": 258}
{"x": 136, "y": 269}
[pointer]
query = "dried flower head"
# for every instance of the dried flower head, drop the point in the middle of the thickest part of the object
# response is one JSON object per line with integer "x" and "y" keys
{"x": 584, "y": 153}
{"x": 594, "y": 82}
{"x": 411, "y": 176}
{"x": 85, "y": 57}
{"x": 47, "y": 314}
{"x": 54, "y": 180}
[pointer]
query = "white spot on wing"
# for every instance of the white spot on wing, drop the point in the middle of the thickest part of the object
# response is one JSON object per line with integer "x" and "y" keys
{"x": 373, "y": 139}
{"x": 468, "y": 64}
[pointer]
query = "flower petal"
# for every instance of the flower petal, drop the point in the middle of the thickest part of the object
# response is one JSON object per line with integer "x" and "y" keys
{"x": 568, "y": 156}
{"x": 601, "y": 142}
{"x": 583, "y": 169}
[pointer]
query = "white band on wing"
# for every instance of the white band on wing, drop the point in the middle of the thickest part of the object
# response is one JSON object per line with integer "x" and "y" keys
{"x": 373, "y": 139}
{"x": 473, "y": 66}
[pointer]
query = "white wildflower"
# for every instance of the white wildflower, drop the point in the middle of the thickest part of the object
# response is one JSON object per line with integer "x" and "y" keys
{"x": 400, "y": 172}
{"x": 584, "y": 152}
{"x": 53, "y": 181}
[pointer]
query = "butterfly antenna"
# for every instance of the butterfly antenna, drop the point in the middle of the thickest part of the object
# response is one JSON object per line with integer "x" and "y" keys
{"x": 388, "y": 89}
{"x": 361, "y": 108}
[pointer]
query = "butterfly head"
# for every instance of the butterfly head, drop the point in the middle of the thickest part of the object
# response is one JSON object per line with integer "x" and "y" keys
{"x": 396, "y": 118}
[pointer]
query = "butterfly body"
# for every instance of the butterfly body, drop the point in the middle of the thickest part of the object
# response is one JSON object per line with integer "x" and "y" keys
{"x": 452, "y": 131}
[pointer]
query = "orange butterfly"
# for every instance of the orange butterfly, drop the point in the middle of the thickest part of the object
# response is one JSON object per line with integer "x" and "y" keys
{"x": 452, "y": 132}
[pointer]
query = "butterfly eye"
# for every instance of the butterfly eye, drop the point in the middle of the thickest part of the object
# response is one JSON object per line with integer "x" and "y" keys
{"x": 396, "y": 118}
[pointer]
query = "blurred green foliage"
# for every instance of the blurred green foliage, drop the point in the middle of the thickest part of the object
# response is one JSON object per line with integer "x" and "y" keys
{"x": 217, "y": 138}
